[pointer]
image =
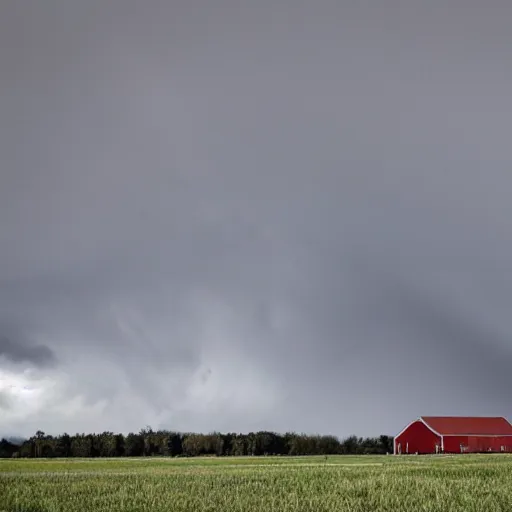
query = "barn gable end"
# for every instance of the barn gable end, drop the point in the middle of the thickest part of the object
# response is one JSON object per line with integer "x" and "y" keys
{"x": 417, "y": 437}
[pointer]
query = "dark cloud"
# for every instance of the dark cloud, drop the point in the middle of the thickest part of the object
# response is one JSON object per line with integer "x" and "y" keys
{"x": 438, "y": 334}
{"x": 19, "y": 352}
{"x": 265, "y": 215}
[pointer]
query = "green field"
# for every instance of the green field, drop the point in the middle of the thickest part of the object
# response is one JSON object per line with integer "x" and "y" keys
{"x": 385, "y": 483}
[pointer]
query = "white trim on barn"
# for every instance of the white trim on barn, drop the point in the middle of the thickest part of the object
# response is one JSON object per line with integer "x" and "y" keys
{"x": 404, "y": 429}
{"x": 503, "y": 418}
{"x": 435, "y": 432}
{"x": 400, "y": 433}
{"x": 430, "y": 428}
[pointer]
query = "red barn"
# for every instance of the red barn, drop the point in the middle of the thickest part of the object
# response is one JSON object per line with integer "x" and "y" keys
{"x": 447, "y": 434}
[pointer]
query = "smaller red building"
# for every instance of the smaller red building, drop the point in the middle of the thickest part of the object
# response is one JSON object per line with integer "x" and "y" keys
{"x": 453, "y": 434}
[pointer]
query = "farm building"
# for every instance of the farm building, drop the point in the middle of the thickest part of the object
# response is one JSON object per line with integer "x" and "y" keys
{"x": 447, "y": 434}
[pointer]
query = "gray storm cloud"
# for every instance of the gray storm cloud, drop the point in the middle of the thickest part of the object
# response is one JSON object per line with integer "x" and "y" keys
{"x": 19, "y": 352}
{"x": 233, "y": 216}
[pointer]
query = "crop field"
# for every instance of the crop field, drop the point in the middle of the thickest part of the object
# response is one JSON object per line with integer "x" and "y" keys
{"x": 336, "y": 483}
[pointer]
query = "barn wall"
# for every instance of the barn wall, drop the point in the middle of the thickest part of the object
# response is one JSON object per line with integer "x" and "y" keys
{"x": 420, "y": 438}
{"x": 452, "y": 443}
{"x": 474, "y": 444}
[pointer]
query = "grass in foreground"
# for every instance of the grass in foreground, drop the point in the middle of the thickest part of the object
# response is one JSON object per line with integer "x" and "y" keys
{"x": 461, "y": 483}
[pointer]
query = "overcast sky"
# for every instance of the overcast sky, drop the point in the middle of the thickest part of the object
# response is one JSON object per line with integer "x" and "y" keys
{"x": 233, "y": 215}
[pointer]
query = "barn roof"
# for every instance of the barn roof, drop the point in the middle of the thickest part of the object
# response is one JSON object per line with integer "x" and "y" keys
{"x": 457, "y": 425}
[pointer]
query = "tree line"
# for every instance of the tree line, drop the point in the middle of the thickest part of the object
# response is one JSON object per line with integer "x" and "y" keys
{"x": 148, "y": 442}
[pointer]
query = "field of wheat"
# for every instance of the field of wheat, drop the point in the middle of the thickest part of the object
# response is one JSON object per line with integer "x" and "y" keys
{"x": 394, "y": 484}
